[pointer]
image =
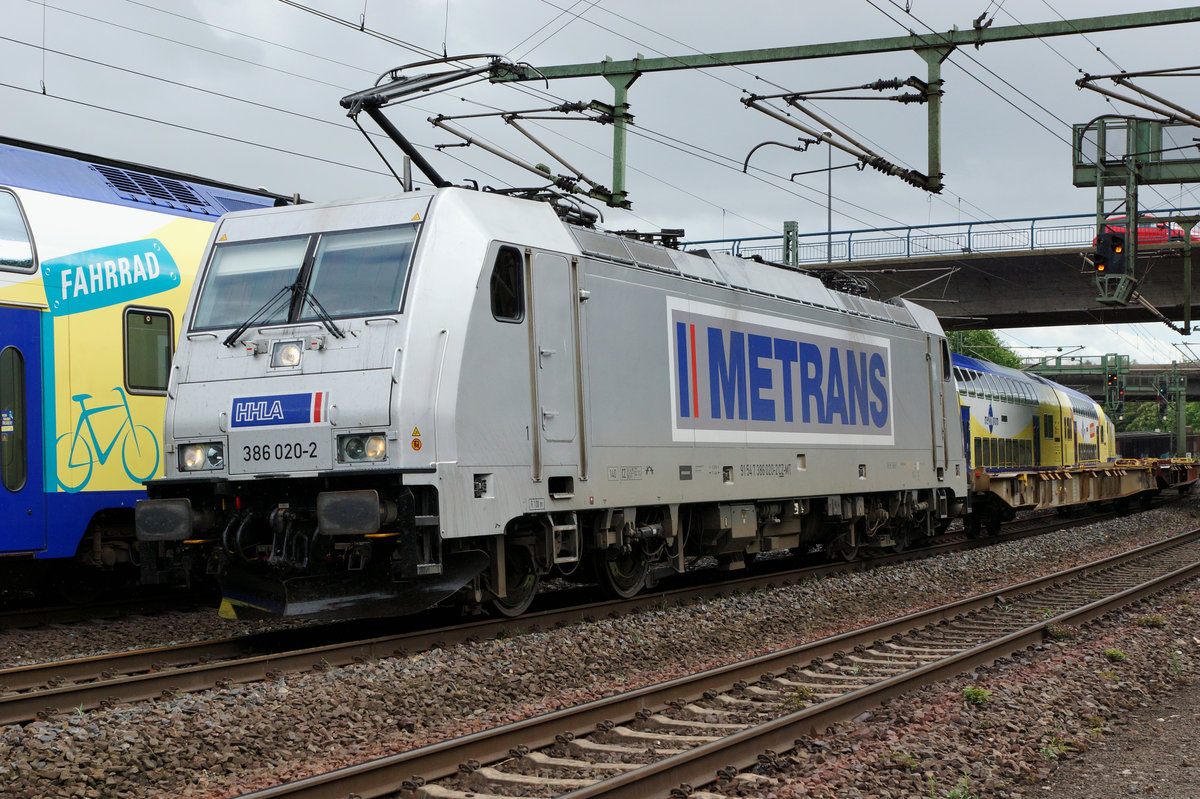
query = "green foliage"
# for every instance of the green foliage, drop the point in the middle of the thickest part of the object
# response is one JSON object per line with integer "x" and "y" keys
{"x": 1178, "y": 671}
{"x": 985, "y": 345}
{"x": 976, "y": 695}
{"x": 1144, "y": 416}
{"x": 1054, "y": 749}
{"x": 1115, "y": 655}
{"x": 799, "y": 699}
{"x": 1155, "y": 620}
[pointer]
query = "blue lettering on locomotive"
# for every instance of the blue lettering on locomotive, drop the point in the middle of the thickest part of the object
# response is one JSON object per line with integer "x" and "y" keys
{"x": 727, "y": 378}
{"x": 773, "y": 379}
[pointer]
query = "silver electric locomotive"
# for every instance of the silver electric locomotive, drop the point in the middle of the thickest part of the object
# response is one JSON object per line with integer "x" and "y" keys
{"x": 379, "y": 404}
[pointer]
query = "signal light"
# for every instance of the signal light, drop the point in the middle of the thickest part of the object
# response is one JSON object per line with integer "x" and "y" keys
{"x": 1110, "y": 253}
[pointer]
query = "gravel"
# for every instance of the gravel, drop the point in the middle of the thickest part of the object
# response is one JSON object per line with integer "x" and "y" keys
{"x": 230, "y": 740}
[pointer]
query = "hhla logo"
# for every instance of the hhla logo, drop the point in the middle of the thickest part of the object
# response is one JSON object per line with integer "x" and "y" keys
{"x": 276, "y": 409}
{"x": 261, "y": 411}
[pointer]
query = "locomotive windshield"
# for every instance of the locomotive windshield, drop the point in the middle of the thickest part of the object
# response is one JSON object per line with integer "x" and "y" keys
{"x": 351, "y": 273}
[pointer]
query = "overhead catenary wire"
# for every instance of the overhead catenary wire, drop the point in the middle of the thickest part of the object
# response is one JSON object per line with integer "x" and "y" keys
{"x": 358, "y": 28}
{"x": 983, "y": 214}
{"x": 683, "y": 145}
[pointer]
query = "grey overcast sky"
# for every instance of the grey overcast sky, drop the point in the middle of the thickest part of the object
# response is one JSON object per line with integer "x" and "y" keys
{"x": 247, "y": 91}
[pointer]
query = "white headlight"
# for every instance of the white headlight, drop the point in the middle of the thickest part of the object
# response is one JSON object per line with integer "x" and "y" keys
{"x": 198, "y": 457}
{"x": 285, "y": 353}
{"x": 191, "y": 457}
{"x": 376, "y": 448}
{"x": 362, "y": 447}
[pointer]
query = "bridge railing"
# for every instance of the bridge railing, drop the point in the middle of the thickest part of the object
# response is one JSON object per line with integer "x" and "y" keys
{"x": 946, "y": 238}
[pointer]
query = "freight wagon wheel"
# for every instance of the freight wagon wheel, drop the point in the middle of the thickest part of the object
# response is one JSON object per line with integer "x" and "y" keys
{"x": 624, "y": 575}
{"x": 842, "y": 548}
{"x": 523, "y": 582}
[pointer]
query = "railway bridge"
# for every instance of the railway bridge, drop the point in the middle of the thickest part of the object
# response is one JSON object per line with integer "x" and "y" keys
{"x": 1027, "y": 272}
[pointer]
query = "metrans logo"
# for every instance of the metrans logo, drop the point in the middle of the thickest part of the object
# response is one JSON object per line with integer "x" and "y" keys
{"x": 277, "y": 409}
{"x": 742, "y": 376}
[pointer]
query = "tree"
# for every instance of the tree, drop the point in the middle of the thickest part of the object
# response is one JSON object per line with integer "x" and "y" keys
{"x": 984, "y": 345}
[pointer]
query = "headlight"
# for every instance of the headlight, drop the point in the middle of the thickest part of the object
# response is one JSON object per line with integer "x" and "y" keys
{"x": 285, "y": 353}
{"x": 362, "y": 447}
{"x": 200, "y": 457}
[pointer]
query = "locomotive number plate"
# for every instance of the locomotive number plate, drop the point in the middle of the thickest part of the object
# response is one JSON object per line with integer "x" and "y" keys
{"x": 282, "y": 451}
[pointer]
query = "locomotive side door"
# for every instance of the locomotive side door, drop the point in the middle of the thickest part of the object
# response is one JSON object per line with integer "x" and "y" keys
{"x": 938, "y": 358}
{"x": 554, "y": 362}
{"x": 22, "y": 501}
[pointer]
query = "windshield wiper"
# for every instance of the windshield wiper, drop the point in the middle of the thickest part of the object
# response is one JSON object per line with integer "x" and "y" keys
{"x": 288, "y": 291}
{"x": 320, "y": 311}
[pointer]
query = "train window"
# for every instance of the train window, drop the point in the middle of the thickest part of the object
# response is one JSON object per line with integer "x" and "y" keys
{"x": 507, "y": 287}
{"x": 12, "y": 419}
{"x": 148, "y": 348}
{"x": 1048, "y": 427}
{"x": 361, "y": 272}
{"x": 1068, "y": 427}
{"x": 946, "y": 367}
{"x": 16, "y": 245}
{"x": 244, "y": 277}
{"x": 978, "y": 451}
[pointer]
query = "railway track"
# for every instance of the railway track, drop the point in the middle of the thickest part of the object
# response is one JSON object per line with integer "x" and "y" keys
{"x": 673, "y": 737}
{"x": 48, "y": 689}
{"x": 18, "y": 617}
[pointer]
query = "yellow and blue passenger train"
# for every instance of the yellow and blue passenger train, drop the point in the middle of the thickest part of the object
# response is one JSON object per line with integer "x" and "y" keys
{"x": 1032, "y": 443}
{"x": 96, "y": 261}
{"x": 1017, "y": 419}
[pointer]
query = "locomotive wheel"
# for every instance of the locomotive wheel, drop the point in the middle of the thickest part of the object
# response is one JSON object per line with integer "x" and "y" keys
{"x": 523, "y": 582}
{"x": 623, "y": 576}
{"x": 841, "y": 549}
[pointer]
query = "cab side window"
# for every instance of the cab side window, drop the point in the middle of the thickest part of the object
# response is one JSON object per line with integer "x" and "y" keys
{"x": 508, "y": 286}
{"x": 148, "y": 349}
{"x": 16, "y": 245}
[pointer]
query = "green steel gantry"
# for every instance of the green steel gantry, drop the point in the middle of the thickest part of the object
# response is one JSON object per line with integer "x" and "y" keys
{"x": 1144, "y": 162}
{"x": 933, "y": 48}
{"x": 1168, "y": 389}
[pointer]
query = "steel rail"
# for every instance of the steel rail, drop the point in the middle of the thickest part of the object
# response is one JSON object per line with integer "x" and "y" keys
{"x": 15, "y": 618}
{"x": 43, "y": 690}
{"x": 386, "y": 775}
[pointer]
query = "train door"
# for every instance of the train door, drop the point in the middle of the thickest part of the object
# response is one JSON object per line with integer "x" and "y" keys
{"x": 22, "y": 500}
{"x": 554, "y": 359}
{"x": 1037, "y": 439}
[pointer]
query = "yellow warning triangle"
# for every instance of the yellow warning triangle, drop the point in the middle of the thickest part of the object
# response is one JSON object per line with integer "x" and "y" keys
{"x": 416, "y": 218}
{"x": 223, "y": 237}
{"x": 416, "y": 433}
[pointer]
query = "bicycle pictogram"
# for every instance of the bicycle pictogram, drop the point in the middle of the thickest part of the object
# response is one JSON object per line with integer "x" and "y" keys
{"x": 76, "y": 456}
